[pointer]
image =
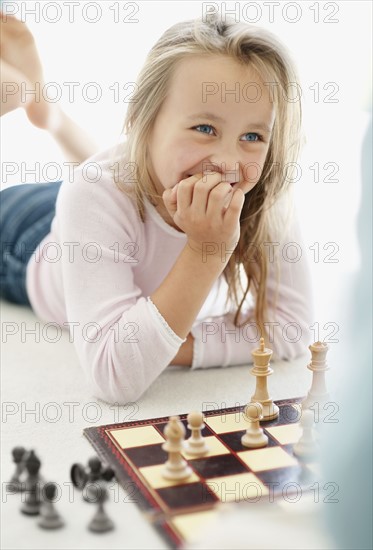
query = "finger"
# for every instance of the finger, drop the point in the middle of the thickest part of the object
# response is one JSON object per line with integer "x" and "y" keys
{"x": 185, "y": 191}
{"x": 219, "y": 197}
{"x": 235, "y": 207}
{"x": 202, "y": 190}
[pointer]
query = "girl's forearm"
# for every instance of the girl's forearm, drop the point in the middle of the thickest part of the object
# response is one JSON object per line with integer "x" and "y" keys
{"x": 183, "y": 292}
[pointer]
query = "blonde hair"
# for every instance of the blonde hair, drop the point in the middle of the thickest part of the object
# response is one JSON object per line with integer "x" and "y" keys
{"x": 250, "y": 45}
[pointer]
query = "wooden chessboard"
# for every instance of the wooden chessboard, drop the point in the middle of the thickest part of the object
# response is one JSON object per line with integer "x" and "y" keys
{"x": 228, "y": 472}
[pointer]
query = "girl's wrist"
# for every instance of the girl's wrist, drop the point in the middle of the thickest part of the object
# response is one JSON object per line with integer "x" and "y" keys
{"x": 209, "y": 254}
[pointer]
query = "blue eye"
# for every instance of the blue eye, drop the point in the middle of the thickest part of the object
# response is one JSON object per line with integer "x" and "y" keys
{"x": 253, "y": 134}
{"x": 205, "y": 129}
{"x": 203, "y": 126}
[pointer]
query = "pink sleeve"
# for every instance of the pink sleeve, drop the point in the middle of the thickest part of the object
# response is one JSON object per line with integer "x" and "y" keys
{"x": 122, "y": 342}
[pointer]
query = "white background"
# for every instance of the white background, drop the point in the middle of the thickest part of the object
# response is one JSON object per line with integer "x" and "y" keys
{"x": 109, "y": 52}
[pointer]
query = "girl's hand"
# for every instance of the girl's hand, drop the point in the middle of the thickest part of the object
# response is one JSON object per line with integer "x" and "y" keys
{"x": 197, "y": 206}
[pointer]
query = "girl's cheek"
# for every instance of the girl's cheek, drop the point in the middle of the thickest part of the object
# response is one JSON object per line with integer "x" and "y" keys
{"x": 252, "y": 174}
{"x": 189, "y": 155}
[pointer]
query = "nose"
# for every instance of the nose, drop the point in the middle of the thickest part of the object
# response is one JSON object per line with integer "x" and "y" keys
{"x": 226, "y": 161}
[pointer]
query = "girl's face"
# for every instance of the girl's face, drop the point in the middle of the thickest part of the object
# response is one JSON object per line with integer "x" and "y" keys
{"x": 218, "y": 116}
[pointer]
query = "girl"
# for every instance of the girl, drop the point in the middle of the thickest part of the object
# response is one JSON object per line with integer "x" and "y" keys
{"x": 172, "y": 248}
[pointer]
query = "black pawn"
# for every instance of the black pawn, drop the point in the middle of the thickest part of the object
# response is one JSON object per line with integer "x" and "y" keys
{"x": 49, "y": 517}
{"x": 93, "y": 475}
{"x": 95, "y": 467}
{"x": 19, "y": 454}
{"x": 31, "y": 504}
{"x": 101, "y": 522}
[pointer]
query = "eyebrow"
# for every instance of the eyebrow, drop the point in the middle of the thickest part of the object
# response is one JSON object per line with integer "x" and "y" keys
{"x": 254, "y": 125}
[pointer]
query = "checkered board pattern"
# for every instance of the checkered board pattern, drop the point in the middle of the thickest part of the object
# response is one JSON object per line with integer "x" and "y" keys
{"x": 228, "y": 472}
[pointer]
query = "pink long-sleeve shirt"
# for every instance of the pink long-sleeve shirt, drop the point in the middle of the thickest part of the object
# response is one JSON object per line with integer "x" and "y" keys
{"x": 94, "y": 273}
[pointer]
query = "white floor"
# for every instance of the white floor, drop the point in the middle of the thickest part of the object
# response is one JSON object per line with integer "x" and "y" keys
{"x": 46, "y": 406}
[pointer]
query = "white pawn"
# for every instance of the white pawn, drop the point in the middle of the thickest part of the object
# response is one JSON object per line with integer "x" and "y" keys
{"x": 196, "y": 444}
{"x": 254, "y": 436}
{"x": 307, "y": 446}
{"x": 175, "y": 467}
{"x": 318, "y": 396}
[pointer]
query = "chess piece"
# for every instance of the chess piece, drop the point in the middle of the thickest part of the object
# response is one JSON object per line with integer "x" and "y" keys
{"x": 100, "y": 522}
{"x": 306, "y": 447}
{"x": 95, "y": 467}
{"x": 49, "y": 517}
{"x": 196, "y": 445}
{"x": 97, "y": 470}
{"x": 82, "y": 477}
{"x": 175, "y": 467}
{"x": 317, "y": 396}
{"x": 94, "y": 473}
{"x": 19, "y": 455}
{"x": 92, "y": 481}
{"x": 262, "y": 370}
{"x": 31, "y": 503}
{"x": 254, "y": 436}
{"x": 107, "y": 473}
{"x": 79, "y": 476}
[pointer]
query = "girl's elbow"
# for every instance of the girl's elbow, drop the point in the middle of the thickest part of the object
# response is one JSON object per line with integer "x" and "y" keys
{"x": 298, "y": 346}
{"x": 116, "y": 388}
{"x": 119, "y": 395}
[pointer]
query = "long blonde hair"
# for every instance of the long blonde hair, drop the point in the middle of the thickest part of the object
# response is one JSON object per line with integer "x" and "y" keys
{"x": 261, "y": 50}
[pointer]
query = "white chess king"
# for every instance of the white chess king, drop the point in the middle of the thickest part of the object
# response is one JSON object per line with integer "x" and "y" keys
{"x": 262, "y": 370}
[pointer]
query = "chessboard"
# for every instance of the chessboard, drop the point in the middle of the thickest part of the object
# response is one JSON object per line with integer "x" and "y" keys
{"x": 229, "y": 472}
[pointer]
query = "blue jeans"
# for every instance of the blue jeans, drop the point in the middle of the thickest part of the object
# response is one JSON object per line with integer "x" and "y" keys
{"x": 26, "y": 214}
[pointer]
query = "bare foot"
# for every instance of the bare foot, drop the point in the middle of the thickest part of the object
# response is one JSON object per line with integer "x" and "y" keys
{"x": 11, "y": 81}
{"x": 21, "y": 66}
{"x": 21, "y": 69}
